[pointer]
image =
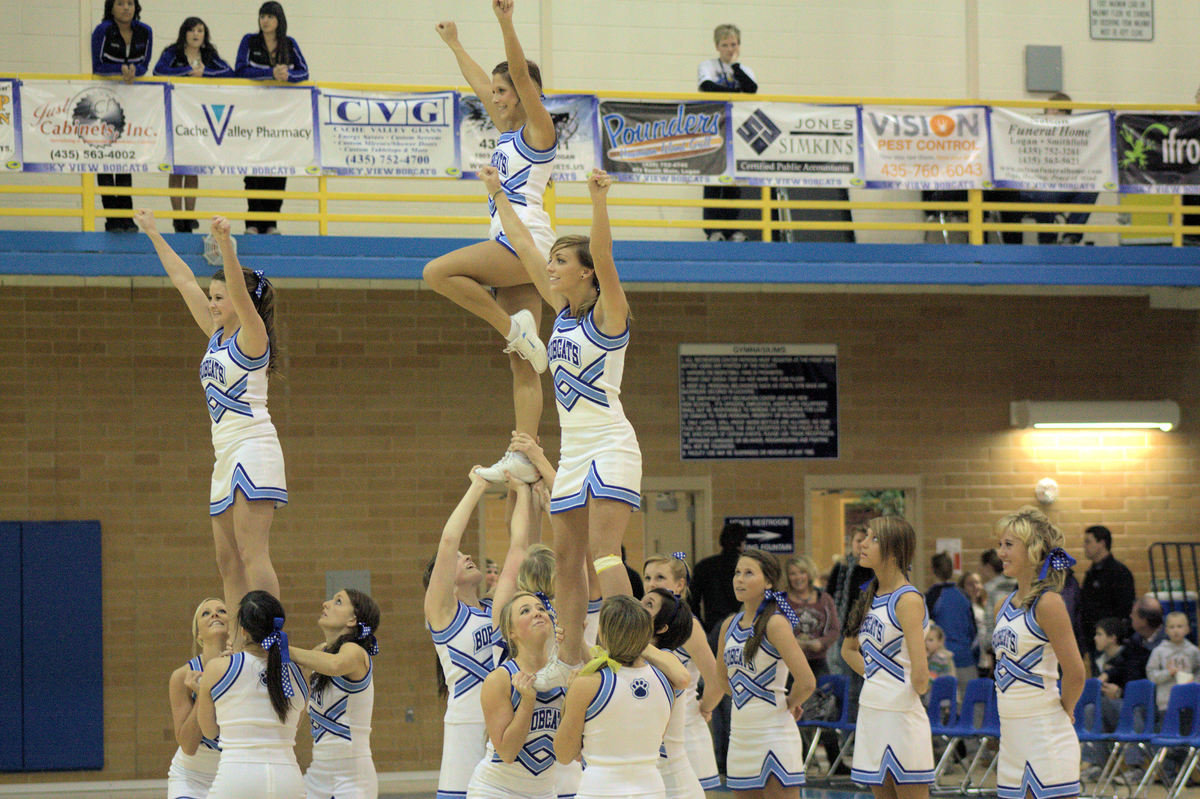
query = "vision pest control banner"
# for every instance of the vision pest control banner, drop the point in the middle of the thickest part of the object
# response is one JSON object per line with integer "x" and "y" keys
{"x": 10, "y": 131}
{"x": 244, "y": 130}
{"x": 786, "y": 144}
{"x": 684, "y": 142}
{"x": 1053, "y": 152}
{"x": 85, "y": 126}
{"x": 574, "y": 118}
{"x": 1158, "y": 153}
{"x": 925, "y": 148}
{"x": 396, "y": 135}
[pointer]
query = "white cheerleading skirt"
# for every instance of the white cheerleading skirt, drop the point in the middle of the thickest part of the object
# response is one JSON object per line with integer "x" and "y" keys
{"x": 762, "y": 745}
{"x": 678, "y": 778}
{"x": 698, "y": 740}
{"x": 184, "y": 783}
{"x": 566, "y": 784}
{"x": 538, "y": 223}
{"x": 892, "y": 742}
{"x": 237, "y": 780}
{"x": 625, "y": 782}
{"x": 605, "y": 463}
{"x": 1038, "y": 755}
{"x": 252, "y": 467}
{"x": 463, "y": 747}
{"x": 343, "y": 777}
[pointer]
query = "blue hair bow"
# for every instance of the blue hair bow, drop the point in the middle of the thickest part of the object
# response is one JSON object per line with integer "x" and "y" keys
{"x": 280, "y": 639}
{"x": 262, "y": 282}
{"x": 781, "y": 602}
{"x": 1058, "y": 559}
{"x": 364, "y": 634}
{"x": 679, "y": 555}
{"x": 545, "y": 603}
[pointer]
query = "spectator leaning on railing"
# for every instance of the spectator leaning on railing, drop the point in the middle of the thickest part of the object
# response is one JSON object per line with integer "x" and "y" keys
{"x": 269, "y": 54}
{"x": 193, "y": 55}
{"x": 121, "y": 45}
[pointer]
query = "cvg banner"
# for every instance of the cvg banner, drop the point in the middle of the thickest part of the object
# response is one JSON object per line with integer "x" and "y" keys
{"x": 10, "y": 138}
{"x": 785, "y": 144}
{"x": 77, "y": 126}
{"x": 396, "y": 135}
{"x": 1053, "y": 152}
{"x": 925, "y": 148}
{"x": 243, "y": 130}
{"x": 574, "y": 118}
{"x": 684, "y": 142}
{"x": 1158, "y": 153}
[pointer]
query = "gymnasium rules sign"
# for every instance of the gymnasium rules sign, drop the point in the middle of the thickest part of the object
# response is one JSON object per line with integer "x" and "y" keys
{"x": 1054, "y": 152}
{"x": 925, "y": 148}
{"x": 10, "y": 141}
{"x": 684, "y": 142}
{"x": 388, "y": 135}
{"x": 742, "y": 401}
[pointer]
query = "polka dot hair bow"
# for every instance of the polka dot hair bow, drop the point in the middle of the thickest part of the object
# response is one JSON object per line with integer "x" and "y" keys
{"x": 679, "y": 555}
{"x": 781, "y": 602}
{"x": 1058, "y": 559}
{"x": 545, "y": 602}
{"x": 280, "y": 639}
{"x": 262, "y": 282}
{"x": 365, "y": 636}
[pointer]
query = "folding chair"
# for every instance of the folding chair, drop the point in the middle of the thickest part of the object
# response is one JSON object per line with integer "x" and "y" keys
{"x": 943, "y": 715}
{"x": 986, "y": 732}
{"x": 1189, "y": 763}
{"x": 1184, "y": 697}
{"x": 839, "y": 686}
{"x": 1135, "y": 726}
{"x": 1089, "y": 720}
{"x": 980, "y": 694}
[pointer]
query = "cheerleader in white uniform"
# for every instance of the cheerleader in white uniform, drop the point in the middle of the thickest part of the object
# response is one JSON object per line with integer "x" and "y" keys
{"x": 1033, "y": 638}
{"x": 524, "y": 156}
{"x": 248, "y": 483}
{"x": 461, "y": 626}
{"x": 254, "y": 699}
{"x": 195, "y": 763}
{"x": 599, "y": 477}
{"x": 341, "y": 698}
{"x": 672, "y": 621}
{"x": 672, "y": 574}
{"x": 618, "y": 708}
{"x": 885, "y": 643}
{"x": 759, "y": 649}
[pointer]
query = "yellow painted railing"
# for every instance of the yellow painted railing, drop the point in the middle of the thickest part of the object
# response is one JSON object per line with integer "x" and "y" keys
{"x": 974, "y": 217}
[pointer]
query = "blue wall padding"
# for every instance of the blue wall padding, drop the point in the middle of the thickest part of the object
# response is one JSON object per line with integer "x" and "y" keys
{"x": 10, "y": 654}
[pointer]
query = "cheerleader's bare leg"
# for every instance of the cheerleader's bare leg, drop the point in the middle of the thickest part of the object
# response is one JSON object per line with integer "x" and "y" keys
{"x": 229, "y": 563}
{"x": 606, "y": 523}
{"x": 527, "y": 385}
{"x": 252, "y": 527}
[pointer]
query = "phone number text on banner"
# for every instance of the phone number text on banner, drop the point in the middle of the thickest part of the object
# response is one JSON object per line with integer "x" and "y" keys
{"x": 77, "y": 126}
{"x": 784, "y": 144}
{"x": 1054, "y": 152}
{"x": 684, "y": 142}
{"x": 574, "y": 117}
{"x": 10, "y": 131}
{"x": 1158, "y": 153}
{"x": 243, "y": 130}
{"x": 936, "y": 148}
{"x": 393, "y": 135}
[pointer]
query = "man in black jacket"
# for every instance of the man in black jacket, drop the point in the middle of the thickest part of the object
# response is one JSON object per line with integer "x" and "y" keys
{"x": 1108, "y": 589}
{"x": 712, "y": 596}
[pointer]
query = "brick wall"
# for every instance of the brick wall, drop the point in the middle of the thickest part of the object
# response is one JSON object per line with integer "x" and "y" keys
{"x": 385, "y": 397}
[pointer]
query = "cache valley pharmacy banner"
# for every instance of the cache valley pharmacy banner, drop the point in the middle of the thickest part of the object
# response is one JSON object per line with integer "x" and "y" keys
{"x": 243, "y": 130}
{"x": 785, "y": 144}
{"x": 78, "y": 126}
{"x": 393, "y": 135}
{"x": 10, "y": 141}
{"x": 925, "y": 148}
{"x": 574, "y": 118}
{"x": 1053, "y": 152}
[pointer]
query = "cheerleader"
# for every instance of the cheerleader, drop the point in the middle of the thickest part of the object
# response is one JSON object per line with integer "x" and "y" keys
{"x": 341, "y": 698}
{"x": 524, "y": 156}
{"x": 461, "y": 626}
{"x": 672, "y": 574}
{"x": 195, "y": 763}
{"x": 1033, "y": 638}
{"x": 759, "y": 650}
{"x": 672, "y": 621}
{"x": 599, "y": 475}
{"x": 885, "y": 644}
{"x": 248, "y": 483}
{"x": 254, "y": 699}
{"x": 618, "y": 707}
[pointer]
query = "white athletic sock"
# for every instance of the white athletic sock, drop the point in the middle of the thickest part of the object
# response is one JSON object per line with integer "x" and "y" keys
{"x": 513, "y": 330}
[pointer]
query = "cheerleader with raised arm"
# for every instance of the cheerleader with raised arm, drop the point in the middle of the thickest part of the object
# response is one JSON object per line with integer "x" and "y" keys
{"x": 195, "y": 763}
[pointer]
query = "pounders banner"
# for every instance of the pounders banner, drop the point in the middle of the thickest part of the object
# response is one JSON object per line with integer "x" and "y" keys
{"x": 10, "y": 138}
{"x": 785, "y": 144}
{"x": 925, "y": 148}
{"x": 244, "y": 130}
{"x": 101, "y": 126}
{"x": 1053, "y": 152}
{"x": 684, "y": 142}
{"x": 574, "y": 118}
{"x": 393, "y": 135}
{"x": 1158, "y": 153}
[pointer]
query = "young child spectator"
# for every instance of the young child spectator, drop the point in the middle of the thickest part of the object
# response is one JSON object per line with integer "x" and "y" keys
{"x": 1108, "y": 664}
{"x": 1175, "y": 660}
{"x": 941, "y": 659}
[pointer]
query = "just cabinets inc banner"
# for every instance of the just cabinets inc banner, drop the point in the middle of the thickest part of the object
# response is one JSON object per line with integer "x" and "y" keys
{"x": 85, "y": 126}
{"x": 684, "y": 142}
{"x": 1053, "y": 152}
{"x": 392, "y": 135}
{"x": 574, "y": 118}
{"x": 243, "y": 130}
{"x": 1158, "y": 153}
{"x": 784, "y": 144}
{"x": 925, "y": 148}
{"x": 10, "y": 132}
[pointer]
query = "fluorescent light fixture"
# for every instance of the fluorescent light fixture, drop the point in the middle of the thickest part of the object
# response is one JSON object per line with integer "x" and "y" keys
{"x": 1121, "y": 415}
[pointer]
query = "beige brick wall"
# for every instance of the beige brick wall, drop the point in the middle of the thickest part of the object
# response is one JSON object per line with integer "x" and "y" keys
{"x": 387, "y": 396}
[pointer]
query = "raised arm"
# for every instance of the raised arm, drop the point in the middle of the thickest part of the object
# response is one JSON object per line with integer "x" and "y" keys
{"x": 910, "y": 612}
{"x": 612, "y": 309}
{"x": 180, "y": 273}
{"x": 350, "y": 661}
{"x": 479, "y": 80}
{"x": 518, "y": 545}
{"x": 520, "y": 238}
{"x": 669, "y": 664}
{"x": 539, "y": 126}
{"x": 252, "y": 337}
{"x": 528, "y": 445}
{"x": 440, "y": 600}
{"x": 183, "y": 710}
{"x": 783, "y": 638}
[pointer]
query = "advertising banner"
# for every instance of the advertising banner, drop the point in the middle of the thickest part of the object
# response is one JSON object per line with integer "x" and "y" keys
{"x": 925, "y": 148}
{"x": 244, "y": 130}
{"x": 394, "y": 135}
{"x": 684, "y": 142}
{"x": 574, "y": 118}
{"x": 788, "y": 144}
{"x": 1053, "y": 152}
{"x": 86, "y": 126}
{"x": 10, "y": 138}
{"x": 1158, "y": 153}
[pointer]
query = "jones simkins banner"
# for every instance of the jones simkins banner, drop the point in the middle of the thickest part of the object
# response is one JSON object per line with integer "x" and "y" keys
{"x": 1054, "y": 152}
{"x": 1158, "y": 153}
{"x": 786, "y": 144}
{"x": 684, "y": 142}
